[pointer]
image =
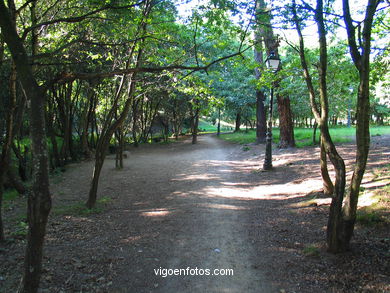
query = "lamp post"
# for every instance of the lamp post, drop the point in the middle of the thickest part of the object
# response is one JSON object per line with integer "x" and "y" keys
{"x": 272, "y": 62}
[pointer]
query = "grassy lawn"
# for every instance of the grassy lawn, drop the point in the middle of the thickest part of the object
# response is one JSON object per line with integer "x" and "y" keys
{"x": 304, "y": 136}
{"x": 207, "y": 127}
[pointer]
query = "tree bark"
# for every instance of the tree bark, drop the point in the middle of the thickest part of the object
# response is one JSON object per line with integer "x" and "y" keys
{"x": 334, "y": 241}
{"x": 39, "y": 200}
{"x": 5, "y": 157}
{"x": 327, "y": 183}
{"x": 52, "y": 136}
{"x": 285, "y": 115}
{"x": 195, "y": 124}
{"x": 219, "y": 122}
{"x": 286, "y": 126}
{"x": 238, "y": 122}
{"x": 104, "y": 142}
{"x": 261, "y": 122}
{"x": 361, "y": 59}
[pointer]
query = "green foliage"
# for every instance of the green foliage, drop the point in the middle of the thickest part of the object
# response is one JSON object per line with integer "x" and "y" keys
{"x": 311, "y": 250}
{"x": 79, "y": 208}
{"x": 10, "y": 194}
{"x": 246, "y": 148}
{"x": 20, "y": 230}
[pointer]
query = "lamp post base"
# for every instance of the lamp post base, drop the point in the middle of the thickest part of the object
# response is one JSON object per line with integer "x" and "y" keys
{"x": 268, "y": 152}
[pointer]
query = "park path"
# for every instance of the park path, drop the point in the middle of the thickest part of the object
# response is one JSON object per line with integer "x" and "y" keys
{"x": 204, "y": 206}
{"x": 179, "y": 214}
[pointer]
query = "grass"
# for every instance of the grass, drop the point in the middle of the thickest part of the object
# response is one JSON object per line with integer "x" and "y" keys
{"x": 304, "y": 136}
{"x": 207, "y": 127}
{"x": 311, "y": 250}
{"x": 377, "y": 212}
{"x": 79, "y": 208}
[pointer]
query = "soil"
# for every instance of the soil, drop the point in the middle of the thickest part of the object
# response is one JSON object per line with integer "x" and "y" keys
{"x": 205, "y": 206}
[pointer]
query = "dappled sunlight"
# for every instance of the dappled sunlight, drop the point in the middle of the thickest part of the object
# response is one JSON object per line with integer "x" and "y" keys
{"x": 367, "y": 199}
{"x": 267, "y": 192}
{"x": 130, "y": 239}
{"x": 78, "y": 219}
{"x": 233, "y": 165}
{"x": 223, "y": 206}
{"x": 203, "y": 176}
{"x": 156, "y": 213}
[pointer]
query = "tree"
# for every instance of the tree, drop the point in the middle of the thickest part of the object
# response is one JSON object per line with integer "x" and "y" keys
{"x": 39, "y": 200}
{"x": 271, "y": 44}
{"x": 341, "y": 217}
{"x": 360, "y": 52}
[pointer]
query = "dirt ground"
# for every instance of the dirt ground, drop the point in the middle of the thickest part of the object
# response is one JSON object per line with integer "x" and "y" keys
{"x": 206, "y": 206}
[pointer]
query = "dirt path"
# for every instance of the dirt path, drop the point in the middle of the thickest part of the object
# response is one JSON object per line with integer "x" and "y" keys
{"x": 204, "y": 206}
{"x": 192, "y": 226}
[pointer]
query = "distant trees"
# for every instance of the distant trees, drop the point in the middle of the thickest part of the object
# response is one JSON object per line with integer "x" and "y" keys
{"x": 81, "y": 79}
{"x": 85, "y": 70}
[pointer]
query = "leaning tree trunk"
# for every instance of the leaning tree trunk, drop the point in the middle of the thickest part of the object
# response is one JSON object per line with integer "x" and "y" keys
{"x": 327, "y": 183}
{"x": 107, "y": 133}
{"x": 39, "y": 200}
{"x": 99, "y": 161}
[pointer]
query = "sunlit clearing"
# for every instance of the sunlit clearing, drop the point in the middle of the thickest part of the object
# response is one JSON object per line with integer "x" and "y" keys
{"x": 156, "y": 213}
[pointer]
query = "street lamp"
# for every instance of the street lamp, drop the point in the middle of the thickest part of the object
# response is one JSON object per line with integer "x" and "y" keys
{"x": 272, "y": 62}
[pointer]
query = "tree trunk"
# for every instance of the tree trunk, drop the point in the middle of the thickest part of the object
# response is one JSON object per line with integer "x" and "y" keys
{"x": 39, "y": 200}
{"x": 286, "y": 126}
{"x": 2, "y": 235}
{"x": 195, "y": 125}
{"x": 327, "y": 183}
{"x": 86, "y": 119}
{"x": 315, "y": 133}
{"x": 135, "y": 122}
{"x": 271, "y": 45}
{"x": 15, "y": 182}
{"x": 238, "y": 122}
{"x": 99, "y": 161}
{"x": 5, "y": 157}
{"x": 361, "y": 59}
{"x": 50, "y": 130}
{"x": 107, "y": 133}
{"x": 334, "y": 241}
{"x": 261, "y": 122}
{"x": 219, "y": 122}
{"x": 119, "y": 150}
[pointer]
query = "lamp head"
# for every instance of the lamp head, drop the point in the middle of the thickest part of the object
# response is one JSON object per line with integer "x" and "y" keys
{"x": 272, "y": 62}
